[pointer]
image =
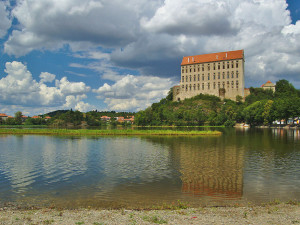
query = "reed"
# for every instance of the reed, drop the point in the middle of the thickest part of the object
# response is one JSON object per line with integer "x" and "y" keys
{"x": 83, "y": 132}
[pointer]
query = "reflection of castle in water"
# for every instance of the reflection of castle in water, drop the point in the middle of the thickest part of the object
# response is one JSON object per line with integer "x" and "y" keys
{"x": 210, "y": 166}
{"x": 212, "y": 171}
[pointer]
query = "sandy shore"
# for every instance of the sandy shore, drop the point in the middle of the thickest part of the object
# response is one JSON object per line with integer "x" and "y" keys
{"x": 270, "y": 214}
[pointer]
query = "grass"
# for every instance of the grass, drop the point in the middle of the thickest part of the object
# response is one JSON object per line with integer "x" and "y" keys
{"x": 154, "y": 219}
{"x": 83, "y": 132}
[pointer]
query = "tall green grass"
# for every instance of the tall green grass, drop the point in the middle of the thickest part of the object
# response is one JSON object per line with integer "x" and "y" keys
{"x": 106, "y": 132}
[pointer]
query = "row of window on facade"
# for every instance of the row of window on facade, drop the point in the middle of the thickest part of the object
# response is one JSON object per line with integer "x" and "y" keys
{"x": 214, "y": 85}
{"x": 214, "y": 66}
{"x": 195, "y": 77}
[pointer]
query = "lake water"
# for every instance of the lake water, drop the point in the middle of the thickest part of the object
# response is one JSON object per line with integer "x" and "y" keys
{"x": 253, "y": 165}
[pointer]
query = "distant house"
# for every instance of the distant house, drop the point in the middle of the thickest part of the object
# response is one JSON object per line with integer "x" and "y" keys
{"x": 120, "y": 119}
{"x": 129, "y": 120}
{"x": 47, "y": 118}
{"x": 268, "y": 85}
{"x": 105, "y": 118}
{"x": 3, "y": 116}
{"x": 35, "y": 117}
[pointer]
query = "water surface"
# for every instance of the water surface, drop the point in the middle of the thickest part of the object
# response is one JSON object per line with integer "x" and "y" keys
{"x": 253, "y": 165}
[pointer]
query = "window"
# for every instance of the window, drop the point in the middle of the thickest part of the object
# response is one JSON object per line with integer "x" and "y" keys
{"x": 194, "y": 77}
{"x": 202, "y": 76}
{"x": 237, "y": 64}
{"x": 214, "y": 66}
{"x": 223, "y": 84}
{"x": 208, "y": 86}
{"x": 208, "y": 77}
{"x": 232, "y": 84}
{"x": 202, "y": 67}
{"x": 219, "y": 75}
{"x": 219, "y": 66}
{"x": 182, "y": 71}
{"x": 198, "y": 77}
{"x": 190, "y": 87}
{"x": 227, "y": 65}
{"x": 186, "y": 78}
{"x": 190, "y": 70}
{"x": 194, "y": 69}
{"x": 186, "y": 88}
{"x": 237, "y": 74}
{"x": 214, "y": 85}
{"x": 198, "y": 69}
{"x": 232, "y": 74}
{"x": 232, "y": 64}
{"x": 218, "y": 85}
{"x": 227, "y": 74}
{"x": 208, "y": 67}
{"x": 237, "y": 84}
{"x": 190, "y": 78}
{"x": 198, "y": 86}
{"x": 228, "y": 84}
{"x": 223, "y": 74}
{"x": 202, "y": 86}
{"x": 186, "y": 70}
{"x": 223, "y": 65}
{"x": 194, "y": 87}
{"x": 182, "y": 78}
{"x": 214, "y": 76}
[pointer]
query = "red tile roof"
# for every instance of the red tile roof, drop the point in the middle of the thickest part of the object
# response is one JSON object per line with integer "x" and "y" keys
{"x": 213, "y": 57}
{"x": 3, "y": 115}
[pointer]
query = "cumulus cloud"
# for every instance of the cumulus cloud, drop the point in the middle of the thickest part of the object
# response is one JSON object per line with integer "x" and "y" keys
{"x": 186, "y": 17}
{"x": 133, "y": 93}
{"x": 5, "y": 21}
{"x": 18, "y": 88}
{"x": 153, "y": 36}
{"x": 55, "y": 22}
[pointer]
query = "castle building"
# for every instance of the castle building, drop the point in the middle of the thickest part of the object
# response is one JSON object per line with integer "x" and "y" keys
{"x": 220, "y": 74}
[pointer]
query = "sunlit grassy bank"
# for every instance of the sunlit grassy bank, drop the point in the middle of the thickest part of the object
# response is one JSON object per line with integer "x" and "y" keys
{"x": 107, "y": 132}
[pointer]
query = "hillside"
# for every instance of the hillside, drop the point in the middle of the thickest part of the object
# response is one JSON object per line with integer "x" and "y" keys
{"x": 261, "y": 107}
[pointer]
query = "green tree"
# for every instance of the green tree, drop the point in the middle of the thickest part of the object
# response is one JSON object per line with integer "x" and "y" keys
{"x": 284, "y": 89}
{"x": 267, "y": 115}
{"x": 18, "y": 118}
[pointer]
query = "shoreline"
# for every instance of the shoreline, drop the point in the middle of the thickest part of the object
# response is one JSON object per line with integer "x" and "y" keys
{"x": 126, "y": 132}
{"x": 275, "y": 213}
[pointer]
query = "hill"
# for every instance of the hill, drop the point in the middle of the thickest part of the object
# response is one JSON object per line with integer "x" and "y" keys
{"x": 261, "y": 107}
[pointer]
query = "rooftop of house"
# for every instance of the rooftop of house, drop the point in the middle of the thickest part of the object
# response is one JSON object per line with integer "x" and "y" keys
{"x": 213, "y": 57}
{"x": 3, "y": 115}
{"x": 268, "y": 84}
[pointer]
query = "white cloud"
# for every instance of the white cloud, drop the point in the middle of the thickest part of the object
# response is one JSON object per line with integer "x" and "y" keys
{"x": 48, "y": 24}
{"x": 46, "y": 77}
{"x": 153, "y": 36}
{"x": 19, "y": 89}
{"x": 5, "y": 21}
{"x": 132, "y": 93}
{"x": 186, "y": 17}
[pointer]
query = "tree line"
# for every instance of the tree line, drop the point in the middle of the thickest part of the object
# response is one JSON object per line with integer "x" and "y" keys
{"x": 261, "y": 107}
{"x": 65, "y": 118}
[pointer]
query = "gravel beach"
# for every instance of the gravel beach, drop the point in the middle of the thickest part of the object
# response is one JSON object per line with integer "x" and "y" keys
{"x": 268, "y": 214}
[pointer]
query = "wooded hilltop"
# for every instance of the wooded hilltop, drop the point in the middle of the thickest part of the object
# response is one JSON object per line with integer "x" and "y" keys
{"x": 261, "y": 107}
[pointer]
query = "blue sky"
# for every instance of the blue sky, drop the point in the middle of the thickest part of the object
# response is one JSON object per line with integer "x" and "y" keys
{"x": 111, "y": 55}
